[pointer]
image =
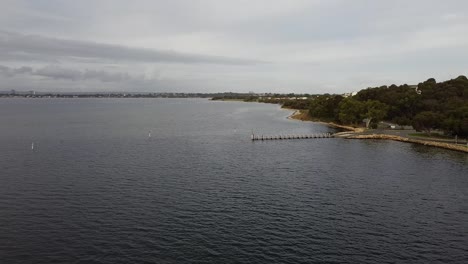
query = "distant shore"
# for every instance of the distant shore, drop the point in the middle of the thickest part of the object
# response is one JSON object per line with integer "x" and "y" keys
{"x": 358, "y": 133}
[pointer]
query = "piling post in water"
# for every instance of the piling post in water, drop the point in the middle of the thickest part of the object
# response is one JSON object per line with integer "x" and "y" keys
{"x": 295, "y": 136}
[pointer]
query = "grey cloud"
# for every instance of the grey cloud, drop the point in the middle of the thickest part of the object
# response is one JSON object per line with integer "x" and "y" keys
{"x": 23, "y": 70}
{"x": 6, "y": 71}
{"x": 46, "y": 48}
{"x": 57, "y": 72}
{"x": 106, "y": 76}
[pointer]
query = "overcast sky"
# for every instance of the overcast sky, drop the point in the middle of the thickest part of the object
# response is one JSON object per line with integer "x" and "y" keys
{"x": 239, "y": 45}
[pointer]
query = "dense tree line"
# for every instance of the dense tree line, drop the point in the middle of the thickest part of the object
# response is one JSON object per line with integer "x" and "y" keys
{"x": 427, "y": 106}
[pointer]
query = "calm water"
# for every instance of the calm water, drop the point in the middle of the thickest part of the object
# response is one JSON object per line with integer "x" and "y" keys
{"x": 96, "y": 189}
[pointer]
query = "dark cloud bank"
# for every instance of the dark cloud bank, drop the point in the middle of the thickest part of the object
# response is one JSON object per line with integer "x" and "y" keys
{"x": 14, "y": 46}
{"x": 57, "y": 72}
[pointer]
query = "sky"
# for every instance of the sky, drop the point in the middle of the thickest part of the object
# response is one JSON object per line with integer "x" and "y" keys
{"x": 280, "y": 46}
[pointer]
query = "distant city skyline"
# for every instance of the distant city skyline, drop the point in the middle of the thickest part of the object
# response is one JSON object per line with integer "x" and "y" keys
{"x": 290, "y": 46}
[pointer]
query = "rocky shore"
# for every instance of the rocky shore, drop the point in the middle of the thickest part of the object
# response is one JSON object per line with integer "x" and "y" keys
{"x": 357, "y": 133}
{"x": 462, "y": 148}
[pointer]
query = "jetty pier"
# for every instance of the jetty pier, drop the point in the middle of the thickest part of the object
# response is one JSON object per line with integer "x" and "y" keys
{"x": 286, "y": 137}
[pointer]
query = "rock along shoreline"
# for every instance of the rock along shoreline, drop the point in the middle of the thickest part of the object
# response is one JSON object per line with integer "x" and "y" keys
{"x": 356, "y": 133}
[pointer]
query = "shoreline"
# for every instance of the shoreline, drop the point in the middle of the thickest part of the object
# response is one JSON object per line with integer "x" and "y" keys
{"x": 356, "y": 133}
{"x": 460, "y": 148}
{"x": 302, "y": 115}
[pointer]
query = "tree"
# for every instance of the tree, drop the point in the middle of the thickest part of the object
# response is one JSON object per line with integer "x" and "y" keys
{"x": 350, "y": 111}
{"x": 375, "y": 111}
{"x": 456, "y": 122}
{"x": 426, "y": 121}
{"x": 325, "y": 107}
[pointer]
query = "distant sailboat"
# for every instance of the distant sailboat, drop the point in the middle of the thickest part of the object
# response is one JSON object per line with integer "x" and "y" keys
{"x": 149, "y": 134}
{"x": 32, "y": 146}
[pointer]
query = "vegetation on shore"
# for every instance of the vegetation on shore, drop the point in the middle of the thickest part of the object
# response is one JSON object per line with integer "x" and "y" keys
{"x": 426, "y": 106}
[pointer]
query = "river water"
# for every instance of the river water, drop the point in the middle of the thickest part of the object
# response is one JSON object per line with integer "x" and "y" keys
{"x": 97, "y": 189}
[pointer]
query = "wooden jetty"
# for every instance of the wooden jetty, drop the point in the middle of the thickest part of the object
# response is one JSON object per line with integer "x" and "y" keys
{"x": 285, "y": 137}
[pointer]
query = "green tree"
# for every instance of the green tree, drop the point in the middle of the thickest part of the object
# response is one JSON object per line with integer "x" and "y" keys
{"x": 456, "y": 123}
{"x": 350, "y": 111}
{"x": 427, "y": 121}
{"x": 325, "y": 107}
{"x": 375, "y": 111}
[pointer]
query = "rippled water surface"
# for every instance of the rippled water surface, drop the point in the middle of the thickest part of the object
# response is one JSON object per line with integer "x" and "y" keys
{"x": 97, "y": 189}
